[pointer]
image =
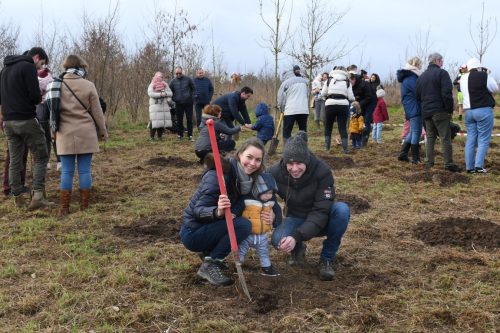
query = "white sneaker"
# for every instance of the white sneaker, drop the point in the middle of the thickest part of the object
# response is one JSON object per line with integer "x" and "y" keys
{"x": 58, "y": 167}
{"x": 48, "y": 166}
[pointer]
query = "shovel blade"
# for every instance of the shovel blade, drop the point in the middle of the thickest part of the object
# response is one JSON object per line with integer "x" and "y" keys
{"x": 273, "y": 146}
{"x": 241, "y": 278}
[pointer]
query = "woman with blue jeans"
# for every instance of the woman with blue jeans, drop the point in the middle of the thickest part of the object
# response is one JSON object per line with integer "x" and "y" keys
{"x": 79, "y": 127}
{"x": 477, "y": 87}
{"x": 306, "y": 185}
{"x": 408, "y": 76}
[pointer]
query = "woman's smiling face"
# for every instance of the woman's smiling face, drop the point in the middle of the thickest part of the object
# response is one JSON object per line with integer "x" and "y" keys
{"x": 251, "y": 159}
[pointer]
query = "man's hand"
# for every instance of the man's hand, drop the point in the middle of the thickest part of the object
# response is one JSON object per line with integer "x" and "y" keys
{"x": 287, "y": 244}
{"x": 248, "y": 126}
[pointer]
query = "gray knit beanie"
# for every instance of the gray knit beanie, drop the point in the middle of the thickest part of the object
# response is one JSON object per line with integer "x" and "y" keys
{"x": 296, "y": 149}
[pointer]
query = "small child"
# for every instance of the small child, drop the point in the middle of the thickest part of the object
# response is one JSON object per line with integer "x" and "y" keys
{"x": 265, "y": 123}
{"x": 356, "y": 125}
{"x": 262, "y": 198}
{"x": 202, "y": 145}
{"x": 379, "y": 116}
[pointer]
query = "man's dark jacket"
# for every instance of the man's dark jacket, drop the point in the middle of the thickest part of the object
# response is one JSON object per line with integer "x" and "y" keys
{"x": 310, "y": 197}
{"x": 364, "y": 94}
{"x": 434, "y": 91}
{"x": 232, "y": 105}
{"x": 19, "y": 88}
{"x": 204, "y": 90}
{"x": 183, "y": 90}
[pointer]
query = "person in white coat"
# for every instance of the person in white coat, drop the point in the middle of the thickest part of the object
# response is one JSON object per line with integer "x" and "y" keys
{"x": 338, "y": 94}
{"x": 292, "y": 100}
{"x": 319, "y": 101}
{"x": 159, "y": 109}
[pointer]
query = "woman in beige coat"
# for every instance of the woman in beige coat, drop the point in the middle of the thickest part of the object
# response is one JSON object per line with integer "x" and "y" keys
{"x": 81, "y": 125}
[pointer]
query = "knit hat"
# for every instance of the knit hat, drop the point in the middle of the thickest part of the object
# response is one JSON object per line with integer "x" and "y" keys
{"x": 473, "y": 63}
{"x": 296, "y": 149}
{"x": 265, "y": 182}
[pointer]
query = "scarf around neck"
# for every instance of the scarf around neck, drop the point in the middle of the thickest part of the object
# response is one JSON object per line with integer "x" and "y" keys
{"x": 244, "y": 180}
{"x": 414, "y": 69}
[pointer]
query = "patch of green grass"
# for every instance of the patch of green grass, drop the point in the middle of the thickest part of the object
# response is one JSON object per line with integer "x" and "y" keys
{"x": 30, "y": 327}
{"x": 81, "y": 245}
{"x": 82, "y": 269}
{"x": 8, "y": 271}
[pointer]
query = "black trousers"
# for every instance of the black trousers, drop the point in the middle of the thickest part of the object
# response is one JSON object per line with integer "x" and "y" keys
{"x": 339, "y": 113}
{"x": 289, "y": 121}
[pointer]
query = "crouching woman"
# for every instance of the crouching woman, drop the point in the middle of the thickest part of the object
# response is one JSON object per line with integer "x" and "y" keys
{"x": 204, "y": 226}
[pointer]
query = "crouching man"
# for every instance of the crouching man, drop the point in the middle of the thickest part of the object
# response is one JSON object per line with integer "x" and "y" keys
{"x": 306, "y": 185}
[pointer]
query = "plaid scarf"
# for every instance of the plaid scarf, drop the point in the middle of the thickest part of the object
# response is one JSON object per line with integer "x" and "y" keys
{"x": 53, "y": 97}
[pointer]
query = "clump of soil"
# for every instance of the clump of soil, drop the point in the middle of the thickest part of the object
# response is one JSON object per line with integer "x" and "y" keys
{"x": 338, "y": 162}
{"x": 443, "y": 178}
{"x": 265, "y": 303}
{"x": 149, "y": 230}
{"x": 459, "y": 232}
{"x": 356, "y": 204}
{"x": 173, "y": 161}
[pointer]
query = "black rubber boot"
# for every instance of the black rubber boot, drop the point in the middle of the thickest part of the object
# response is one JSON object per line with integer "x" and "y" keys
{"x": 403, "y": 154}
{"x": 328, "y": 142}
{"x": 415, "y": 154}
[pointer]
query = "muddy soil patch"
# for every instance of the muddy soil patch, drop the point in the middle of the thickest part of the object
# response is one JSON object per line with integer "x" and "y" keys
{"x": 172, "y": 161}
{"x": 443, "y": 178}
{"x": 149, "y": 229}
{"x": 356, "y": 204}
{"x": 459, "y": 232}
{"x": 338, "y": 162}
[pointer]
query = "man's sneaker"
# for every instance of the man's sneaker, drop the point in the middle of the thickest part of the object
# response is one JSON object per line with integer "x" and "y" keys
{"x": 326, "y": 272}
{"x": 270, "y": 271}
{"x": 191, "y": 139}
{"x": 471, "y": 171}
{"x": 480, "y": 170}
{"x": 298, "y": 256}
{"x": 453, "y": 168}
{"x": 179, "y": 137}
{"x": 221, "y": 262}
{"x": 211, "y": 271}
{"x": 59, "y": 166}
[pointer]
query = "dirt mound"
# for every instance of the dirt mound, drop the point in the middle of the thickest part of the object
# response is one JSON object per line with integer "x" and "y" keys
{"x": 443, "y": 178}
{"x": 173, "y": 161}
{"x": 356, "y": 204}
{"x": 338, "y": 162}
{"x": 266, "y": 302}
{"x": 459, "y": 232}
{"x": 149, "y": 229}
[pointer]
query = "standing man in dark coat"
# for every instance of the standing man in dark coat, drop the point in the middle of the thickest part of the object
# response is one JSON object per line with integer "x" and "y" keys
{"x": 203, "y": 95}
{"x": 183, "y": 90}
{"x": 19, "y": 95}
{"x": 234, "y": 108}
{"x": 434, "y": 92}
{"x": 367, "y": 99}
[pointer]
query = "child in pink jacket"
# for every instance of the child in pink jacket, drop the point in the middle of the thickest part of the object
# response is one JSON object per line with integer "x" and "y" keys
{"x": 379, "y": 116}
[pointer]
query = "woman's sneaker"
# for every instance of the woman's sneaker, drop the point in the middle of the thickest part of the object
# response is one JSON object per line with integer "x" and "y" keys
{"x": 211, "y": 271}
{"x": 270, "y": 271}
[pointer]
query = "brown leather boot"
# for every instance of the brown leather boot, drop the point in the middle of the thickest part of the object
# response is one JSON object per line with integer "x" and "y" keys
{"x": 65, "y": 199}
{"x": 84, "y": 198}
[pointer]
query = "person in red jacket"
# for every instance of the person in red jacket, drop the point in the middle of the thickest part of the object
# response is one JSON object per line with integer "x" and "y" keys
{"x": 379, "y": 116}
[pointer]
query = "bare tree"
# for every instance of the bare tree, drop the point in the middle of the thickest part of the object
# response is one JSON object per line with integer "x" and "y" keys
{"x": 279, "y": 33}
{"x": 9, "y": 34}
{"x": 485, "y": 34}
{"x": 54, "y": 41}
{"x": 219, "y": 74}
{"x": 315, "y": 25}
{"x": 420, "y": 46}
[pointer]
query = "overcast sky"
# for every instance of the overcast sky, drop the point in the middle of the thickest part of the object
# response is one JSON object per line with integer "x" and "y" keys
{"x": 381, "y": 30}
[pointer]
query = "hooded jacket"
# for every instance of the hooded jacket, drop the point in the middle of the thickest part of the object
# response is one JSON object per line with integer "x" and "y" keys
{"x": 232, "y": 105}
{"x": 19, "y": 89}
{"x": 264, "y": 124}
{"x": 309, "y": 197}
{"x": 338, "y": 90}
{"x": 434, "y": 91}
{"x": 408, "y": 80}
{"x": 293, "y": 94}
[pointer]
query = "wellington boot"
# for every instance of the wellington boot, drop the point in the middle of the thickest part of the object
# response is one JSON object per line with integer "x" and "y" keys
{"x": 328, "y": 142}
{"x": 38, "y": 200}
{"x": 403, "y": 154}
{"x": 415, "y": 154}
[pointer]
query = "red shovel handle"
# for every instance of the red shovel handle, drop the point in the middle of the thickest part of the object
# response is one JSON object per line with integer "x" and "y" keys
{"x": 222, "y": 185}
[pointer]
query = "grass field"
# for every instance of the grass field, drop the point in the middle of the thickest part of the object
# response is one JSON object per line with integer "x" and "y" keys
{"x": 421, "y": 253}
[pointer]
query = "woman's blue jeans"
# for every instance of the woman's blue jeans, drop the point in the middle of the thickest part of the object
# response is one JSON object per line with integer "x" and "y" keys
{"x": 338, "y": 220}
{"x": 213, "y": 239}
{"x": 68, "y": 162}
{"x": 479, "y": 124}
{"x": 413, "y": 136}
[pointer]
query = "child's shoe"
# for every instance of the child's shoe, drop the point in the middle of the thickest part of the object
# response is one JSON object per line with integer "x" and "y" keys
{"x": 270, "y": 271}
